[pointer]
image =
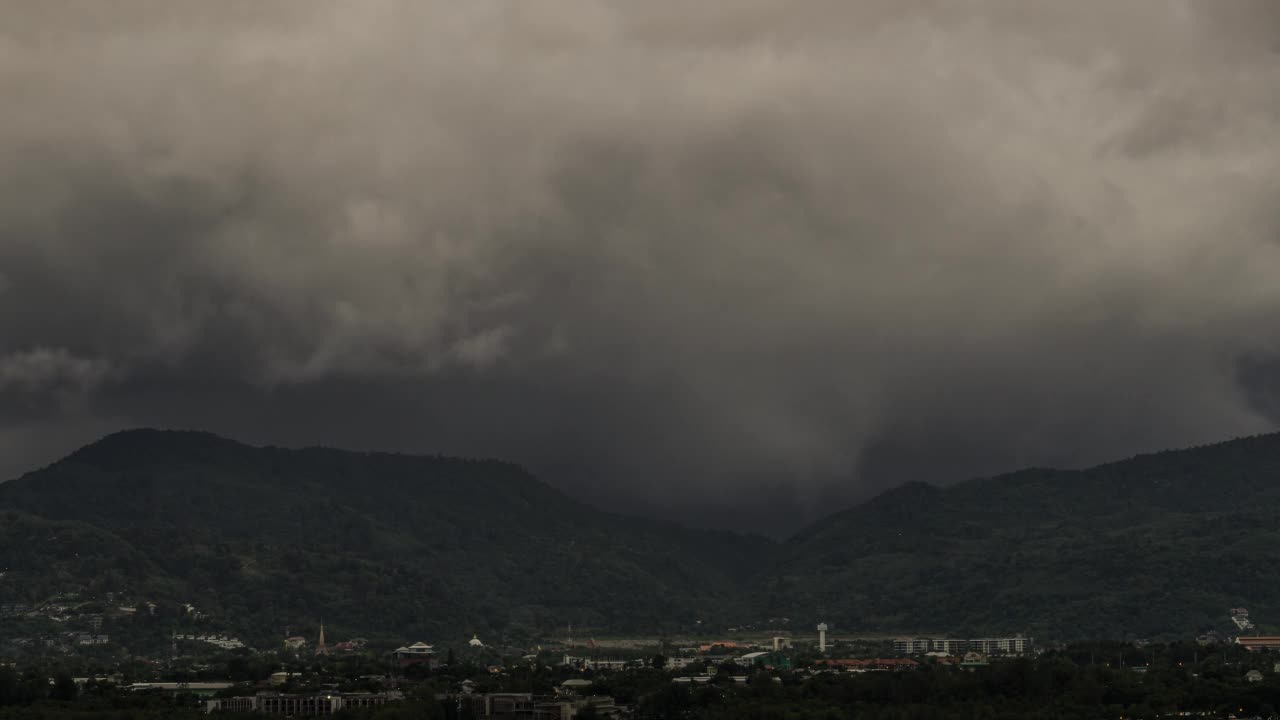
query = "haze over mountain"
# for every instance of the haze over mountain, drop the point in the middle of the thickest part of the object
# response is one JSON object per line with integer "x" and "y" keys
{"x": 394, "y": 546}
{"x": 749, "y": 259}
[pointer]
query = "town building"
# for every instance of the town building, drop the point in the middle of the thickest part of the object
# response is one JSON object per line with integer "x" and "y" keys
{"x": 1213, "y": 637}
{"x": 574, "y": 686}
{"x": 608, "y": 663}
{"x": 181, "y": 688}
{"x": 867, "y": 664}
{"x": 705, "y": 679}
{"x": 764, "y": 659}
{"x": 1240, "y": 616}
{"x": 915, "y": 646}
{"x": 681, "y": 662}
{"x": 719, "y": 645}
{"x": 1016, "y": 645}
{"x": 418, "y": 653}
{"x": 527, "y": 706}
{"x": 301, "y": 705}
{"x": 1259, "y": 642}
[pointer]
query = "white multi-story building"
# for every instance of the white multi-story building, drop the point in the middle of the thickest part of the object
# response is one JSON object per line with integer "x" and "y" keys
{"x": 1016, "y": 645}
{"x": 913, "y": 646}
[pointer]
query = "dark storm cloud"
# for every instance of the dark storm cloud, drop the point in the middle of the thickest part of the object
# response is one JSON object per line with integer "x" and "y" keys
{"x": 758, "y": 255}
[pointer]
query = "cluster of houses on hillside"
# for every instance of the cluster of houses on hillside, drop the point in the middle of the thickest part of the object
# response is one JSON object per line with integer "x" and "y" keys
{"x": 1256, "y": 643}
{"x": 218, "y": 641}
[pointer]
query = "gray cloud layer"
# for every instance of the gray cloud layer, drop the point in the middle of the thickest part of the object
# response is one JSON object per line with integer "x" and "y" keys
{"x": 752, "y": 255}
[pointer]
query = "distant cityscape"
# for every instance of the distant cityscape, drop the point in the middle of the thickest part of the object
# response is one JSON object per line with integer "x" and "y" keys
{"x": 312, "y": 674}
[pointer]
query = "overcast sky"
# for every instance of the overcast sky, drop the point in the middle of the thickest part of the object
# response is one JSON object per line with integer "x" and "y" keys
{"x": 740, "y": 260}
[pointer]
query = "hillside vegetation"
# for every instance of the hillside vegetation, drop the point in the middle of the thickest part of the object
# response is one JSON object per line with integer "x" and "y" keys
{"x": 385, "y": 545}
{"x": 417, "y": 546}
{"x": 1157, "y": 545}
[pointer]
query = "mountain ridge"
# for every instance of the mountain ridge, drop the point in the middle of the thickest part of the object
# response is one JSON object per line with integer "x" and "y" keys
{"x": 393, "y": 542}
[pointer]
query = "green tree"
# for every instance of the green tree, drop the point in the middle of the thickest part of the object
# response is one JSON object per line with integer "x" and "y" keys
{"x": 64, "y": 687}
{"x": 10, "y": 691}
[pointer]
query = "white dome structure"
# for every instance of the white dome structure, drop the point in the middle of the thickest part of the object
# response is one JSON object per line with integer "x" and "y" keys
{"x": 475, "y": 642}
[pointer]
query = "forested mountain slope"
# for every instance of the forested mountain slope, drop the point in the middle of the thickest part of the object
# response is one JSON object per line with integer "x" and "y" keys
{"x": 417, "y": 546}
{"x": 397, "y": 545}
{"x": 1159, "y": 544}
